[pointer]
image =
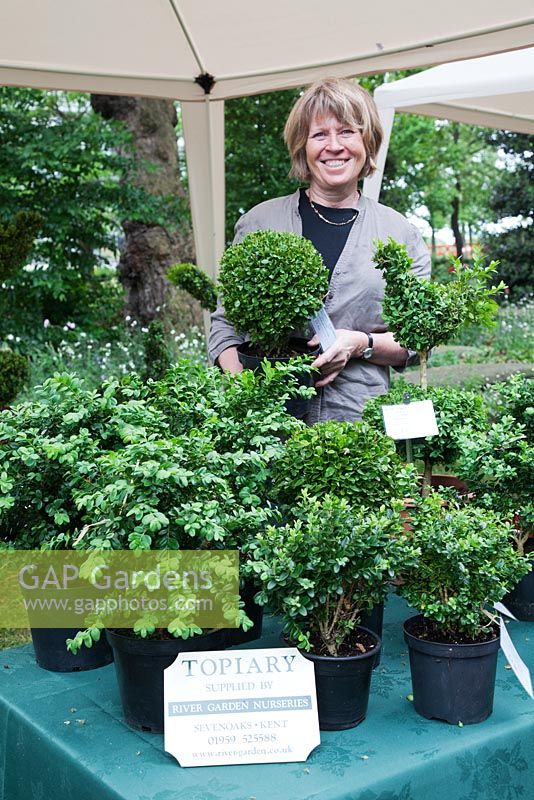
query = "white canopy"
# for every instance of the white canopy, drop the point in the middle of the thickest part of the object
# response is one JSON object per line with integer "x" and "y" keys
{"x": 496, "y": 91}
{"x": 203, "y": 51}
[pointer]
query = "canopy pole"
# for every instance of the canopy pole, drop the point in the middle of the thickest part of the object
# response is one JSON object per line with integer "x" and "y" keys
{"x": 203, "y": 125}
{"x": 371, "y": 185}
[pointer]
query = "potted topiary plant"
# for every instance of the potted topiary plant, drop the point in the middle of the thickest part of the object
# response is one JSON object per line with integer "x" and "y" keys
{"x": 327, "y": 565}
{"x": 454, "y": 409}
{"x": 465, "y": 563}
{"x": 351, "y": 460}
{"x": 198, "y": 482}
{"x": 422, "y": 314}
{"x": 498, "y": 464}
{"x": 271, "y": 284}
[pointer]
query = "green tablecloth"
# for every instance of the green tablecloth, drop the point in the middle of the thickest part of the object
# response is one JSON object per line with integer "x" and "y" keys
{"x": 393, "y": 755}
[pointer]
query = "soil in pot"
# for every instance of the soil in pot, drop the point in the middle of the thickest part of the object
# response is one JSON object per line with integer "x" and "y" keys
{"x": 234, "y": 636}
{"x": 51, "y": 652}
{"x": 139, "y": 664}
{"x": 452, "y": 681}
{"x": 251, "y": 359}
{"x": 343, "y": 682}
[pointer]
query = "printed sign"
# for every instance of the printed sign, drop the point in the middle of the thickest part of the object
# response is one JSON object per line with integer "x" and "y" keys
{"x": 322, "y": 326}
{"x": 246, "y": 707}
{"x": 410, "y": 420}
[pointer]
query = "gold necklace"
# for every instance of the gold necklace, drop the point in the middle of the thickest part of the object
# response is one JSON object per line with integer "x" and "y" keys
{"x": 329, "y": 221}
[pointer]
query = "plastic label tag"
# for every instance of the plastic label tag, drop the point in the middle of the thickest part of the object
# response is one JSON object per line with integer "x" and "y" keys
{"x": 321, "y": 325}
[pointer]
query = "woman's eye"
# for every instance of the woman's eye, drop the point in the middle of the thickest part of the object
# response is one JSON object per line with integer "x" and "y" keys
{"x": 347, "y": 132}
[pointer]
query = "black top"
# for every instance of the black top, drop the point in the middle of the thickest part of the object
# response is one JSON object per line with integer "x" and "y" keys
{"x": 328, "y": 239}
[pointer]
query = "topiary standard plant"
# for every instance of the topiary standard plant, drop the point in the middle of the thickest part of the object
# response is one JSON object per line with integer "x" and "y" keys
{"x": 193, "y": 280}
{"x": 321, "y": 570}
{"x": 272, "y": 283}
{"x": 422, "y": 314}
{"x": 454, "y": 409}
{"x": 349, "y": 459}
{"x": 465, "y": 564}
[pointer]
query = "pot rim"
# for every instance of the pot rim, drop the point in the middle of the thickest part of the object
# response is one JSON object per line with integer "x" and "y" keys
{"x": 448, "y": 649}
{"x": 337, "y": 659}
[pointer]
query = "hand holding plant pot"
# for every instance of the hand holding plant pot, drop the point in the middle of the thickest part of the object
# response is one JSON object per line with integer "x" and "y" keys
{"x": 422, "y": 314}
{"x": 465, "y": 564}
{"x": 320, "y": 571}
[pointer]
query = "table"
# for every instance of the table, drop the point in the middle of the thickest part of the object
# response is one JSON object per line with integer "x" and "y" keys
{"x": 62, "y": 738}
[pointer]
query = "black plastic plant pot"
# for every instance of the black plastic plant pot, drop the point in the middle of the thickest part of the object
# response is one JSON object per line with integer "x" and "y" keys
{"x": 343, "y": 684}
{"x": 296, "y": 406}
{"x": 451, "y": 682}
{"x": 520, "y": 601}
{"x": 139, "y": 664}
{"x": 234, "y": 636}
{"x": 374, "y": 620}
{"x": 51, "y": 651}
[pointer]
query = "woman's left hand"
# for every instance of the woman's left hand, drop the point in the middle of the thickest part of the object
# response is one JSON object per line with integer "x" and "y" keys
{"x": 348, "y": 344}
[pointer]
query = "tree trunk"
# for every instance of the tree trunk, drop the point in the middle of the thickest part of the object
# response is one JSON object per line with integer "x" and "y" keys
{"x": 149, "y": 249}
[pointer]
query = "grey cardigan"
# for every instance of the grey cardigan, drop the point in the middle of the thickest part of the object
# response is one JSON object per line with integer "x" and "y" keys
{"x": 354, "y": 300}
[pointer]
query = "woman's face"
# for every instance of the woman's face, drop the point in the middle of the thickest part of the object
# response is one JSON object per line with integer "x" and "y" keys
{"x": 335, "y": 155}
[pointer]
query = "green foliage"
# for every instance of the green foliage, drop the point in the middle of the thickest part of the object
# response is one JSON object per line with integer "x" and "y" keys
{"x": 326, "y": 565}
{"x": 16, "y": 241}
{"x": 512, "y": 196}
{"x": 187, "y": 459}
{"x": 14, "y": 372}
{"x": 513, "y": 337}
{"x": 454, "y": 409}
{"x": 256, "y": 156}
{"x": 195, "y": 281}
{"x": 422, "y": 314}
{"x": 465, "y": 562}
{"x": 514, "y": 398}
{"x": 157, "y": 357}
{"x": 353, "y": 461}
{"x": 498, "y": 465}
{"x": 272, "y": 283}
{"x": 68, "y": 164}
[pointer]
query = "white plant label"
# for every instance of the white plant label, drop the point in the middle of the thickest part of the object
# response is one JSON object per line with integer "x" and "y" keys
{"x": 247, "y": 707}
{"x": 410, "y": 420}
{"x": 519, "y": 667}
{"x": 321, "y": 325}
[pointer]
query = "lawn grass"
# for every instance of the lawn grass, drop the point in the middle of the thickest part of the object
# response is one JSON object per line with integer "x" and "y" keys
{"x": 14, "y": 637}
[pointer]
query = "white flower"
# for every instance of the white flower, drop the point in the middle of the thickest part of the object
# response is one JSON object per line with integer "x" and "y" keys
{"x": 46, "y": 323}
{"x": 10, "y": 337}
{"x": 71, "y": 325}
{"x": 145, "y": 330}
{"x": 127, "y": 318}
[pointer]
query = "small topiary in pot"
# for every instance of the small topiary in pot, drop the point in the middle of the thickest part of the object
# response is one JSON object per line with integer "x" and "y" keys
{"x": 193, "y": 280}
{"x": 271, "y": 284}
{"x": 321, "y": 570}
{"x": 465, "y": 563}
{"x": 349, "y": 459}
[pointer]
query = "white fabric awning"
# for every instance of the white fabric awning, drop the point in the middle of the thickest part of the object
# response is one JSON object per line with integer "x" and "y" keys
{"x": 496, "y": 92}
{"x": 170, "y": 48}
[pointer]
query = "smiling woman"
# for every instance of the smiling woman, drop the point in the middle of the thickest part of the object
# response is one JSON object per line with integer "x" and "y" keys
{"x": 333, "y": 134}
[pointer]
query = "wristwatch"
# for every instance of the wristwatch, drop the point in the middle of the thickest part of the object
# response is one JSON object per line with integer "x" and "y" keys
{"x": 368, "y": 352}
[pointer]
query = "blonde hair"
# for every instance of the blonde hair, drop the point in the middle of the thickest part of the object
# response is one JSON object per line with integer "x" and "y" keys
{"x": 346, "y": 101}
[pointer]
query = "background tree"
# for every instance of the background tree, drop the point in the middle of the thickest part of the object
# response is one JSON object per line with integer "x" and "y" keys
{"x": 151, "y": 245}
{"x": 512, "y": 197}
